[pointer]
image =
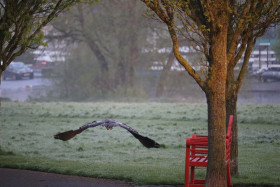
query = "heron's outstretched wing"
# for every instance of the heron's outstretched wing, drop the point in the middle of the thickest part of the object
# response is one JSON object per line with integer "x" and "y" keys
{"x": 147, "y": 142}
{"x": 67, "y": 135}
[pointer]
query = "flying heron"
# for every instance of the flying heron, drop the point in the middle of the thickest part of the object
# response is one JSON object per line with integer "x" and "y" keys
{"x": 109, "y": 124}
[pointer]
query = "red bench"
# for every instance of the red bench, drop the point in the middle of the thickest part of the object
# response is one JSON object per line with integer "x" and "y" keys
{"x": 197, "y": 156}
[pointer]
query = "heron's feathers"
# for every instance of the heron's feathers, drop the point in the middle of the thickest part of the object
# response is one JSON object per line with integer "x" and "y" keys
{"x": 68, "y": 134}
{"x": 147, "y": 142}
{"x": 92, "y": 124}
{"x": 128, "y": 128}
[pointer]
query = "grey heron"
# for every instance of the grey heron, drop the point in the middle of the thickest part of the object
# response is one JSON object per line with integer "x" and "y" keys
{"x": 109, "y": 124}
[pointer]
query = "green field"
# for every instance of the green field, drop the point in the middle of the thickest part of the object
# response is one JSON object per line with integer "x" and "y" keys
{"x": 27, "y": 129}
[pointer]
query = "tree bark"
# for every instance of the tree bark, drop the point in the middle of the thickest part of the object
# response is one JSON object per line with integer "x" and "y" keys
{"x": 231, "y": 102}
{"x": 216, "y": 169}
{"x": 216, "y": 101}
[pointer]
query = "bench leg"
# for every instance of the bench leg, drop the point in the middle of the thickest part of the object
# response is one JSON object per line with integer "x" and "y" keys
{"x": 229, "y": 184}
{"x": 187, "y": 172}
{"x": 192, "y": 174}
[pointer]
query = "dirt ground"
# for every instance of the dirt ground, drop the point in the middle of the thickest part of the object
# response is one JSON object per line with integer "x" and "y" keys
{"x": 26, "y": 178}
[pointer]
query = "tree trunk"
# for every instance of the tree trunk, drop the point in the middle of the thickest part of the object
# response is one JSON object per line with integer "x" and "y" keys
{"x": 0, "y": 88}
{"x": 164, "y": 74}
{"x": 133, "y": 43}
{"x": 231, "y": 102}
{"x": 216, "y": 100}
{"x": 99, "y": 56}
{"x": 232, "y": 90}
{"x": 120, "y": 76}
{"x": 132, "y": 62}
{"x": 216, "y": 169}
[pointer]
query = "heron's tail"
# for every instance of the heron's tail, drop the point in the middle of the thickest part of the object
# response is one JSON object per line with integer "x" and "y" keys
{"x": 67, "y": 135}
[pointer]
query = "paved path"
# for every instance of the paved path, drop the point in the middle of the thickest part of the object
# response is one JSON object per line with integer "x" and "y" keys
{"x": 26, "y": 178}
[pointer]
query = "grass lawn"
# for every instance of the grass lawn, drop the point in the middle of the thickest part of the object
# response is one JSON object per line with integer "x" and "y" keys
{"x": 27, "y": 129}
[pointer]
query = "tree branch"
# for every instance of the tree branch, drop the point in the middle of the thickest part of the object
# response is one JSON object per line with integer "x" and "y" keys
{"x": 250, "y": 45}
{"x": 239, "y": 28}
{"x": 182, "y": 60}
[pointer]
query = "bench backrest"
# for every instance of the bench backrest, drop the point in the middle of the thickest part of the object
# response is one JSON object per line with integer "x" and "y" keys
{"x": 198, "y": 144}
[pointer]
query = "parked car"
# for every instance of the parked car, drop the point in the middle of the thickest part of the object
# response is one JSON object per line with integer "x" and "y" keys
{"x": 18, "y": 70}
{"x": 273, "y": 73}
{"x": 44, "y": 67}
{"x": 258, "y": 72}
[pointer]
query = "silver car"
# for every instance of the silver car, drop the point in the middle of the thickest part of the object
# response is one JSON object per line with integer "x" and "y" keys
{"x": 18, "y": 70}
{"x": 273, "y": 73}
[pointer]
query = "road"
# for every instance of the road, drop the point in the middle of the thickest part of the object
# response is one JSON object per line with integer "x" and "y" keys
{"x": 252, "y": 91}
{"x": 20, "y": 90}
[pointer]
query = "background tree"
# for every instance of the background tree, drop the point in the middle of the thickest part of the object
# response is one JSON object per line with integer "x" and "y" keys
{"x": 114, "y": 33}
{"x": 27, "y": 57}
{"x": 102, "y": 38}
{"x": 164, "y": 73}
{"x": 103, "y": 35}
{"x": 21, "y": 24}
{"x": 223, "y": 31}
{"x": 170, "y": 71}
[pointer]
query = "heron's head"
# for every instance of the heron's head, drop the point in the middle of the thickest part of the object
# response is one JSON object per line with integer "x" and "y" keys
{"x": 109, "y": 127}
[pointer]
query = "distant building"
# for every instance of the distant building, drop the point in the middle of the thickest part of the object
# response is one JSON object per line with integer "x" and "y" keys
{"x": 262, "y": 55}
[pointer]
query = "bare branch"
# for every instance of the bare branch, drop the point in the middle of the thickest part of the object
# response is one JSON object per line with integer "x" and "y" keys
{"x": 155, "y": 6}
{"x": 244, "y": 68}
{"x": 239, "y": 29}
{"x": 182, "y": 60}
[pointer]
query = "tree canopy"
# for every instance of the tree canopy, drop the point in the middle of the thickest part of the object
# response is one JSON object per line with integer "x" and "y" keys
{"x": 107, "y": 38}
{"x": 21, "y": 24}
